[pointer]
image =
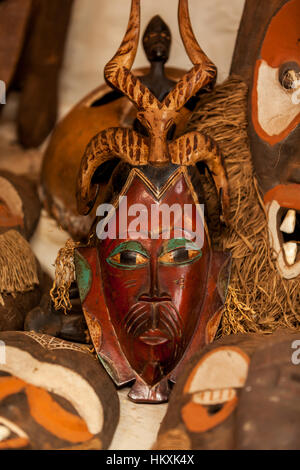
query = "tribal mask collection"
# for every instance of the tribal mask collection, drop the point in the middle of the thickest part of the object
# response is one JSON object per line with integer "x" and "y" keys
{"x": 150, "y": 298}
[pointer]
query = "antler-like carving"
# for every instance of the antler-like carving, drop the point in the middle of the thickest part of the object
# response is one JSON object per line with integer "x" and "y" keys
{"x": 125, "y": 144}
{"x": 156, "y": 116}
{"x": 195, "y": 147}
{"x": 117, "y": 71}
{"x": 204, "y": 71}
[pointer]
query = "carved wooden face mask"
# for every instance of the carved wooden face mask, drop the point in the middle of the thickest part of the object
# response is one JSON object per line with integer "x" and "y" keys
{"x": 274, "y": 119}
{"x": 151, "y": 298}
{"x": 53, "y": 395}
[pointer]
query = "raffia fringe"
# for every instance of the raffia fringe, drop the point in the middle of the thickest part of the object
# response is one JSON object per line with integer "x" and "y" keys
{"x": 258, "y": 300}
{"x": 64, "y": 276}
{"x": 18, "y": 266}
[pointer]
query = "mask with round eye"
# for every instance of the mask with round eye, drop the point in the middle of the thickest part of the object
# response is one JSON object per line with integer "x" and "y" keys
{"x": 271, "y": 68}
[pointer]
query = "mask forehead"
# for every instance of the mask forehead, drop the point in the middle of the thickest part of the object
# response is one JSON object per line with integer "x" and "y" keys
{"x": 145, "y": 211}
{"x": 281, "y": 43}
{"x": 275, "y": 103}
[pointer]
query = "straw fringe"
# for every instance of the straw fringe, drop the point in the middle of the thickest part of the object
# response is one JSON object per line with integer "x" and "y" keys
{"x": 258, "y": 300}
{"x": 18, "y": 266}
{"x": 64, "y": 276}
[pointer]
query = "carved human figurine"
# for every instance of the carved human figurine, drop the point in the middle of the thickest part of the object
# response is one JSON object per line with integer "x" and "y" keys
{"x": 152, "y": 289}
{"x": 156, "y": 42}
{"x": 267, "y": 57}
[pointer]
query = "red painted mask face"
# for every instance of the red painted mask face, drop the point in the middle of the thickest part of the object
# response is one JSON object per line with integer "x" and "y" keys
{"x": 275, "y": 133}
{"x": 149, "y": 284}
{"x": 157, "y": 282}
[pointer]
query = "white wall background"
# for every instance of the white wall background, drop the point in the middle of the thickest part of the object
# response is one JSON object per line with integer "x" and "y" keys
{"x": 97, "y": 27}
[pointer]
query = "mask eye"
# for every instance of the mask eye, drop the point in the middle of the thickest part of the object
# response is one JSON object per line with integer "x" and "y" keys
{"x": 185, "y": 253}
{"x": 289, "y": 76}
{"x": 128, "y": 255}
{"x": 129, "y": 258}
{"x": 179, "y": 256}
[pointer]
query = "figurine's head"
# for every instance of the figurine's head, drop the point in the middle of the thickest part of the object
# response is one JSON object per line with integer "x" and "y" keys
{"x": 150, "y": 285}
{"x": 157, "y": 40}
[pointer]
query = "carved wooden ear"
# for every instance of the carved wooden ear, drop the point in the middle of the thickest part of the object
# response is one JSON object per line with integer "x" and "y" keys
{"x": 109, "y": 144}
{"x": 195, "y": 147}
{"x": 202, "y": 74}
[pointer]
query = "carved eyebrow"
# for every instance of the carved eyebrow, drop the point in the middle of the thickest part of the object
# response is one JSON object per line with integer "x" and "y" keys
{"x": 129, "y": 246}
{"x": 171, "y": 245}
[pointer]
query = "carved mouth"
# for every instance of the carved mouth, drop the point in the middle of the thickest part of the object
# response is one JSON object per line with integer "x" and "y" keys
{"x": 11, "y": 435}
{"x": 154, "y": 337}
{"x": 284, "y": 233}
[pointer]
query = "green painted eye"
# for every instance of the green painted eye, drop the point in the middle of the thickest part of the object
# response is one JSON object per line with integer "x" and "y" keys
{"x": 128, "y": 255}
{"x": 179, "y": 251}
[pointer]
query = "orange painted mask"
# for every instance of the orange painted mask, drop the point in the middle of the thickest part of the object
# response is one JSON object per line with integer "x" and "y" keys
{"x": 272, "y": 69}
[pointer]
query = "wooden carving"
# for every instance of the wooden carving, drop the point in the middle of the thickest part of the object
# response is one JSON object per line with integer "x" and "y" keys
{"x": 20, "y": 273}
{"x": 32, "y": 37}
{"x": 240, "y": 393}
{"x": 267, "y": 56}
{"x": 151, "y": 300}
{"x": 53, "y": 395}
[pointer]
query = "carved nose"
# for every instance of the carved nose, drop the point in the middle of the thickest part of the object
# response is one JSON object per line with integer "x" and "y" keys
{"x": 155, "y": 293}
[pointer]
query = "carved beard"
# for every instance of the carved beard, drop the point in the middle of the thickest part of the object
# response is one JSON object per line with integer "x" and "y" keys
{"x": 156, "y": 326}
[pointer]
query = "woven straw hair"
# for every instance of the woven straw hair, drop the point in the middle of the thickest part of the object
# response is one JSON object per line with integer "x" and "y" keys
{"x": 259, "y": 300}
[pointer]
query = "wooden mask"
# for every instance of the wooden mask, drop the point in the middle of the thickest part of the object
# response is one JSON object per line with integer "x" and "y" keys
{"x": 267, "y": 56}
{"x": 239, "y": 393}
{"x": 151, "y": 300}
{"x": 53, "y": 395}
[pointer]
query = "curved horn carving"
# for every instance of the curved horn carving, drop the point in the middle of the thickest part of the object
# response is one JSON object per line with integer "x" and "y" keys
{"x": 202, "y": 74}
{"x": 195, "y": 147}
{"x": 125, "y": 144}
{"x": 117, "y": 71}
{"x": 193, "y": 50}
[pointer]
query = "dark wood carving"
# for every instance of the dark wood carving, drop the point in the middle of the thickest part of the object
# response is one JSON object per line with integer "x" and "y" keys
{"x": 45, "y": 319}
{"x": 14, "y": 17}
{"x": 151, "y": 302}
{"x": 32, "y": 37}
{"x": 20, "y": 274}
